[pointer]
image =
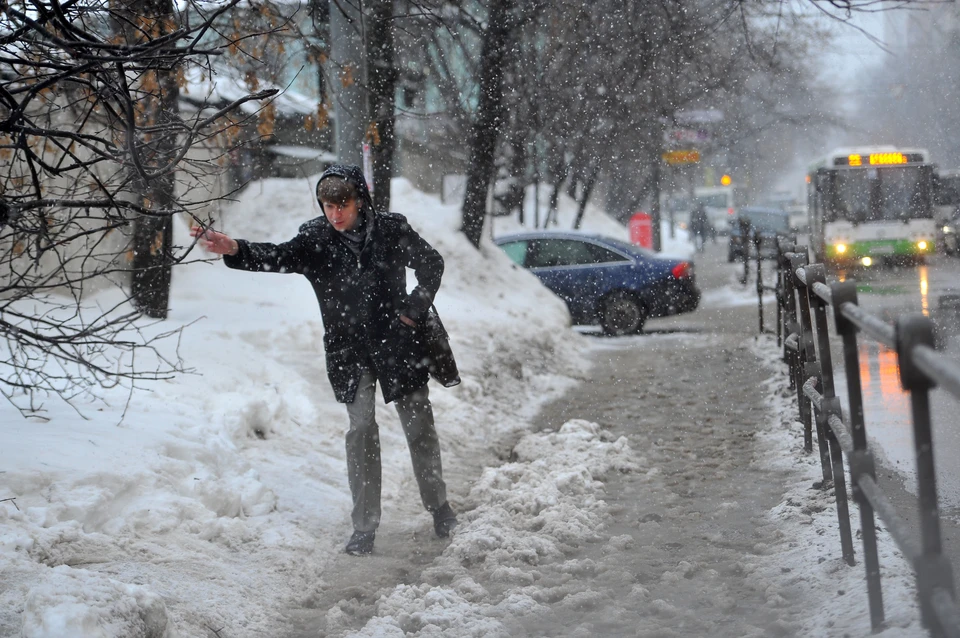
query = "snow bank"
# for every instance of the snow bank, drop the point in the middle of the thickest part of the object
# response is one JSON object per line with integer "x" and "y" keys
{"x": 77, "y": 602}
{"x": 810, "y": 563}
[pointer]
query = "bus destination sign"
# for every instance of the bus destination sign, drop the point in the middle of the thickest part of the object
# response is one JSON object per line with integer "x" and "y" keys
{"x": 878, "y": 159}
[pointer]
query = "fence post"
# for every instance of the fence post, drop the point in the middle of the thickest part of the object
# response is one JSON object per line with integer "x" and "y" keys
{"x": 756, "y": 244}
{"x": 810, "y": 368}
{"x": 933, "y": 570}
{"x": 782, "y": 250}
{"x": 861, "y": 461}
{"x": 791, "y": 326}
{"x": 830, "y": 406}
{"x": 745, "y": 235}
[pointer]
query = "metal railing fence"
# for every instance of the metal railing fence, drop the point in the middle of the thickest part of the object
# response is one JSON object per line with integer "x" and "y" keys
{"x": 805, "y": 306}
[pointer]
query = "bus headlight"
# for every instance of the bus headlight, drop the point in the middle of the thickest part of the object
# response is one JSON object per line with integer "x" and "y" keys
{"x": 922, "y": 245}
{"x": 866, "y": 261}
{"x": 840, "y": 248}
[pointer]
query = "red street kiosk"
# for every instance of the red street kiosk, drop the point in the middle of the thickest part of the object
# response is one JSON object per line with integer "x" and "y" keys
{"x": 641, "y": 230}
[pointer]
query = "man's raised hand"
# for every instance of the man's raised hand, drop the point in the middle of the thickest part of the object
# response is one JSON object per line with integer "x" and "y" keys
{"x": 215, "y": 242}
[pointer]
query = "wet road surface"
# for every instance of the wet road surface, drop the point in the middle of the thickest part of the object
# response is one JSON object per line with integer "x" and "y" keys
{"x": 889, "y": 292}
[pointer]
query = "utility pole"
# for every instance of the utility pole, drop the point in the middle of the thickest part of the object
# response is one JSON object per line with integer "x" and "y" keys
{"x": 349, "y": 79}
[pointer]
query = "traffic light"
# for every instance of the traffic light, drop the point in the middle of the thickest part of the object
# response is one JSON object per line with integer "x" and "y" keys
{"x": 725, "y": 180}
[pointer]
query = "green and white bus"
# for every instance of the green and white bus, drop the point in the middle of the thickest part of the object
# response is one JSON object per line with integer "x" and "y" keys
{"x": 871, "y": 204}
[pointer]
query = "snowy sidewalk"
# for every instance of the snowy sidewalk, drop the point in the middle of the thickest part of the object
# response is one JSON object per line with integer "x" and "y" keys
{"x": 664, "y": 496}
{"x": 688, "y": 531}
{"x": 659, "y": 527}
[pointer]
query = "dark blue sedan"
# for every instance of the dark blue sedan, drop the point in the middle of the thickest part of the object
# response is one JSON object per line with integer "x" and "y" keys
{"x": 604, "y": 280}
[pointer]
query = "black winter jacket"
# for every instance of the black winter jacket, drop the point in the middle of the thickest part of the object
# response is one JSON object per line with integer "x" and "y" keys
{"x": 361, "y": 299}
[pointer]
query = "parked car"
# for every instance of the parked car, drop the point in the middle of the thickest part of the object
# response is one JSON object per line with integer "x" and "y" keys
{"x": 604, "y": 280}
{"x": 769, "y": 222}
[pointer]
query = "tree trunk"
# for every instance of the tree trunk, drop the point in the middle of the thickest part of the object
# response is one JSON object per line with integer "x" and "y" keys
{"x": 585, "y": 195}
{"x": 536, "y": 201}
{"x": 574, "y": 169}
{"x": 383, "y": 87}
{"x": 153, "y": 234}
{"x": 554, "y": 202}
{"x": 574, "y": 180}
{"x": 558, "y": 174}
{"x": 518, "y": 163}
{"x": 488, "y": 120}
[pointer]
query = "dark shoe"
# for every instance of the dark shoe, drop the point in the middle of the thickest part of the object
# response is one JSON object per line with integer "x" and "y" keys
{"x": 444, "y": 520}
{"x": 361, "y": 543}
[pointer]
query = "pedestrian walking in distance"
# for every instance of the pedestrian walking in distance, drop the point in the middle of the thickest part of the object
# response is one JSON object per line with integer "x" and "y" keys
{"x": 699, "y": 226}
{"x": 356, "y": 259}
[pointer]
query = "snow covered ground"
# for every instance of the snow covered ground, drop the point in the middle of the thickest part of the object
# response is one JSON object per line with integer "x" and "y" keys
{"x": 208, "y": 504}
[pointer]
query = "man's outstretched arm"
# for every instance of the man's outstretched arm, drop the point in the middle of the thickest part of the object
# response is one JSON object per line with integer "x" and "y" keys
{"x": 256, "y": 257}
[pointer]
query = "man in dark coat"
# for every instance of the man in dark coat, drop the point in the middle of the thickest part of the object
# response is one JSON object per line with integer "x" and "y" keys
{"x": 356, "y": 259}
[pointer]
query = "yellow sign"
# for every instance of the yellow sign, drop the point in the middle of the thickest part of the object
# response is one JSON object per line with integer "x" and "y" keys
{"x": 681, "y": 157}
{"x": 888, "y": 158}
{"x": 725, "y": 180}
{"x": 878, "y": 159}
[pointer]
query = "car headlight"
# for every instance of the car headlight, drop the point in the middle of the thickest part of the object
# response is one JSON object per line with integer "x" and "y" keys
{"x": 950, "y": 229}
{"x": 840, "y": 248}
{"x": 922, "y": 245}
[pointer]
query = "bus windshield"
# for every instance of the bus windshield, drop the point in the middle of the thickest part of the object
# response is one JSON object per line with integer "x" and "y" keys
{"x": 879, "y": 194}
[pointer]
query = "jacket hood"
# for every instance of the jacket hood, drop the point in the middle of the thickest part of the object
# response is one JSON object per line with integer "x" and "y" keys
{"x": 354, "y": 175}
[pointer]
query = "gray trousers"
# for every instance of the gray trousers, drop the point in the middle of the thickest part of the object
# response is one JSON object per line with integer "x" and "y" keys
{"x": 363, "y": 451}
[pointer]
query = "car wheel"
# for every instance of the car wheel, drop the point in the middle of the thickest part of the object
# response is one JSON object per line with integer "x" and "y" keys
{"x": 622, "y": 314}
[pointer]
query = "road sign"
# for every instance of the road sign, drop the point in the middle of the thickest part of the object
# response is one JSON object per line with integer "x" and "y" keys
{"x": 698, "y": 115}
{"x": 674, "y": 158}
{"x": 688, "y": 135}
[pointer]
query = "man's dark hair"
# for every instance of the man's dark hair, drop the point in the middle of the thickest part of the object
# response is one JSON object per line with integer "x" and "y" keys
{"x": 336, "y": 190}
